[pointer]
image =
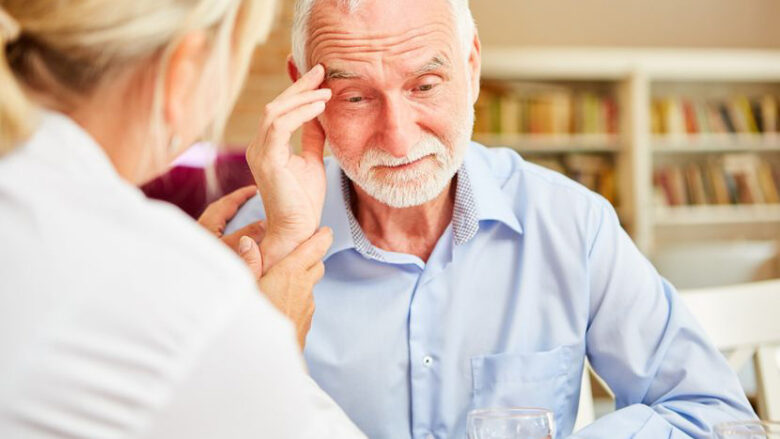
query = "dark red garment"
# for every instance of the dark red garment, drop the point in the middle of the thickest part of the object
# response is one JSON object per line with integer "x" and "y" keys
{"x": 185, "y": 185}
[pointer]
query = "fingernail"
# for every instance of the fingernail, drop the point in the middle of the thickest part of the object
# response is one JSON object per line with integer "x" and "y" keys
{"x": 315, "y": 69}
{"x": 244, "y": 244}
{"x": 327, "y": 230}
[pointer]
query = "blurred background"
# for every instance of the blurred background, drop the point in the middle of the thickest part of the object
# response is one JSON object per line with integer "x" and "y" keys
{"x": 668, "y": 108}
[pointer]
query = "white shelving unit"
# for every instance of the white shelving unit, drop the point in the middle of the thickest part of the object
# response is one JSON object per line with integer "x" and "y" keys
{"x": 712, "y": 143}
{"x": 710, "y": 215}
{"x": 552, "y": 144}
{"x": 635, "y": 73}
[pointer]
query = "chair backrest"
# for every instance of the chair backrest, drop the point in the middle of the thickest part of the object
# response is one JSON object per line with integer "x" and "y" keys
{"x": 743, "y": 319}
{"x": 738, "y": 315}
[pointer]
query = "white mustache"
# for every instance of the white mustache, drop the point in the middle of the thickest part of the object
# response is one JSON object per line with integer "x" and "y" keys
{"x": 428, "y": 145}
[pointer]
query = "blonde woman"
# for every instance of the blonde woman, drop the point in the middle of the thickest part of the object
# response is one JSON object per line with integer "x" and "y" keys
{"x": 119, "y": 317}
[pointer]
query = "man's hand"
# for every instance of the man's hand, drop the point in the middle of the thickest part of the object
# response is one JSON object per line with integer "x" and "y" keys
{"x": 217, "y": 214}
{"x": 289, "y": 284}
{"x": 292, "y": 186}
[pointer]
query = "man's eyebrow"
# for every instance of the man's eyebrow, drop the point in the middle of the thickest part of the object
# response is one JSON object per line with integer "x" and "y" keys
{"x": 436, "y": 63}
{"x": 333, "y": 74}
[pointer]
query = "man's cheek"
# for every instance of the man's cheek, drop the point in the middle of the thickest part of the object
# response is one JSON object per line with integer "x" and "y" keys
{"x": 336, "y": 148}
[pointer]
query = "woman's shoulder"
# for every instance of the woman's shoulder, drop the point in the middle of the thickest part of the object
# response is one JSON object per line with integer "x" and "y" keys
{"x": 94, "y": 235}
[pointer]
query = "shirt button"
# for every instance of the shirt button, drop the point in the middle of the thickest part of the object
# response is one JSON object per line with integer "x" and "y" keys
{"x": 428, "y": 362}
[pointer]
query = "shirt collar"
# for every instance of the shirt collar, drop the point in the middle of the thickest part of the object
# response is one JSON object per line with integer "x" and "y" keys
{"x": 491, "y": 203}
{"x": 478, "y": 197}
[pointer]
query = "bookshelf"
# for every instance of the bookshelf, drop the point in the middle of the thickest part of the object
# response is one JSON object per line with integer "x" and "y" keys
{"x": 637, "y": 80}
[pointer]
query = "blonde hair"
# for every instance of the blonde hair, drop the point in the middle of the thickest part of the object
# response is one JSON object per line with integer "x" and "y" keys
{"x": 60, "y": 50}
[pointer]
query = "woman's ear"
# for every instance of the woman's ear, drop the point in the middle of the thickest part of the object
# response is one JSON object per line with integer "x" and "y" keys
{"x": 182, "y": 77}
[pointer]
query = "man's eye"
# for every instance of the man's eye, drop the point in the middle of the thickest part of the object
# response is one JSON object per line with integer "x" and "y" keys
{"x": 426, "y": 87}
{"x": 355, "y": 99}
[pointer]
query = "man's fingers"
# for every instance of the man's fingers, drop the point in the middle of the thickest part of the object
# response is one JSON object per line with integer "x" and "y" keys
{"x": 316, "y": 272}
{"x": 311, "y": 80}
{"x": 312, "y": 250}
{"x": 282, "y": 106}
{"x": 280, "y": 131}
{"x": 250, "y": 253}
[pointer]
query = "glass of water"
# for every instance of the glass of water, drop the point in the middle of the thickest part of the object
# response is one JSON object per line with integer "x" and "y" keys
{"x": 748, "y": 430}
{"x": 510, "y": 423}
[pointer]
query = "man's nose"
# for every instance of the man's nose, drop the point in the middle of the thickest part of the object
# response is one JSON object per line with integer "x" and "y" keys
{"x": 399, "y": 130}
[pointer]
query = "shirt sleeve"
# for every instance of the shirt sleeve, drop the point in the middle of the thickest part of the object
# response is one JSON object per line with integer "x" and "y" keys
{"x": 668, "y": 379}
{"x": 250, "y": 382}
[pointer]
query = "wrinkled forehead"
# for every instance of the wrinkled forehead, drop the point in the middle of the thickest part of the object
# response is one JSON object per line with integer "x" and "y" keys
{"x": 381, "y": 31}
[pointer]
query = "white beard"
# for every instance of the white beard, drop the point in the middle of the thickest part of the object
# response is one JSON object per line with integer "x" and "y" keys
{"x": 409, "y": 187}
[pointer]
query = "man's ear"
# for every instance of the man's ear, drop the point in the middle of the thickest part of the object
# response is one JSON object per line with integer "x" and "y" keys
{"x": 475, "y": 66}
{"x": 292, "y": 69}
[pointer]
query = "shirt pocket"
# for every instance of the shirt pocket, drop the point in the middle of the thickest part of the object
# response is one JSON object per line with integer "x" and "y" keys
{"x": 536, "y": 379}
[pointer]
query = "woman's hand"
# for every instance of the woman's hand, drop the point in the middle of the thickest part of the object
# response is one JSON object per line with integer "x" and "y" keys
{"x": 217, "y": 214}
{"x": 292, "y": 186}
{"x": 289, "y": 284}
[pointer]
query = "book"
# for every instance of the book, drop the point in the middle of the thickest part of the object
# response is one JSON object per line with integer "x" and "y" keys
{"x": 691, "y": 124}
{"x": 769, "y": 187}
{"x": 545, "y": 110}
{"x": 675, "y": 116}
{"x": 743, "y": 168}
{"x": 678, "y": 188}
{"x": 744, "y": 107}
{"x": 728, "y": 118}
{"x": 509, "y": 114}
{"x": 663, "y": 185}
{"x": 769, "y": 114}
{"x": 719, "y": 185}
{"x": 695, "y": 180}
{"x": 736, "y": 178}
{"x": 593, "y": 171}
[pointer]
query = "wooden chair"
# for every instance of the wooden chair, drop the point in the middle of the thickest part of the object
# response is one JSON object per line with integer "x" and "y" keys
{"x": 742, "y": 320}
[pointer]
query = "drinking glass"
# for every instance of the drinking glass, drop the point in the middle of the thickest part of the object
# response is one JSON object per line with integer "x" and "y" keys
{"x": 748, "y": 430}
{"x": 510, "y": 423}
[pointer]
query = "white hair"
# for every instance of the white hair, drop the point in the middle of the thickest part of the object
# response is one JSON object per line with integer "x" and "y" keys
{"x": 464, "y": 24}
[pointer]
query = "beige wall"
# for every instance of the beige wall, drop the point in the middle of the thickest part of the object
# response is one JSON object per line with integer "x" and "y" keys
{"x": 267, "y": 78}
{"x": 678, "y": 23}
{"x": 663, "y": 23}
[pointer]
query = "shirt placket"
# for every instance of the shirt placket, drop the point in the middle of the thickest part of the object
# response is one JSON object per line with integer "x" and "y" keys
{"x": 423, "y": 359}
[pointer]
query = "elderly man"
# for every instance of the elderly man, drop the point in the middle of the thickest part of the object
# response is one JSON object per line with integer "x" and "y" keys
{"x": 463, "y": 277}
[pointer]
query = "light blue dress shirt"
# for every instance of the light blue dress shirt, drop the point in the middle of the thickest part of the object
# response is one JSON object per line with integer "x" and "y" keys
{"x": 533, "y": 275}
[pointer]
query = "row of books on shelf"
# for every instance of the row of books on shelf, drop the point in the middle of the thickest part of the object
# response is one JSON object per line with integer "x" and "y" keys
{"x": 739, "y": 114}
{"x": 594, "y": 171}
{"x": 729, "y": 179}
{"x": 551, "y": 113}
